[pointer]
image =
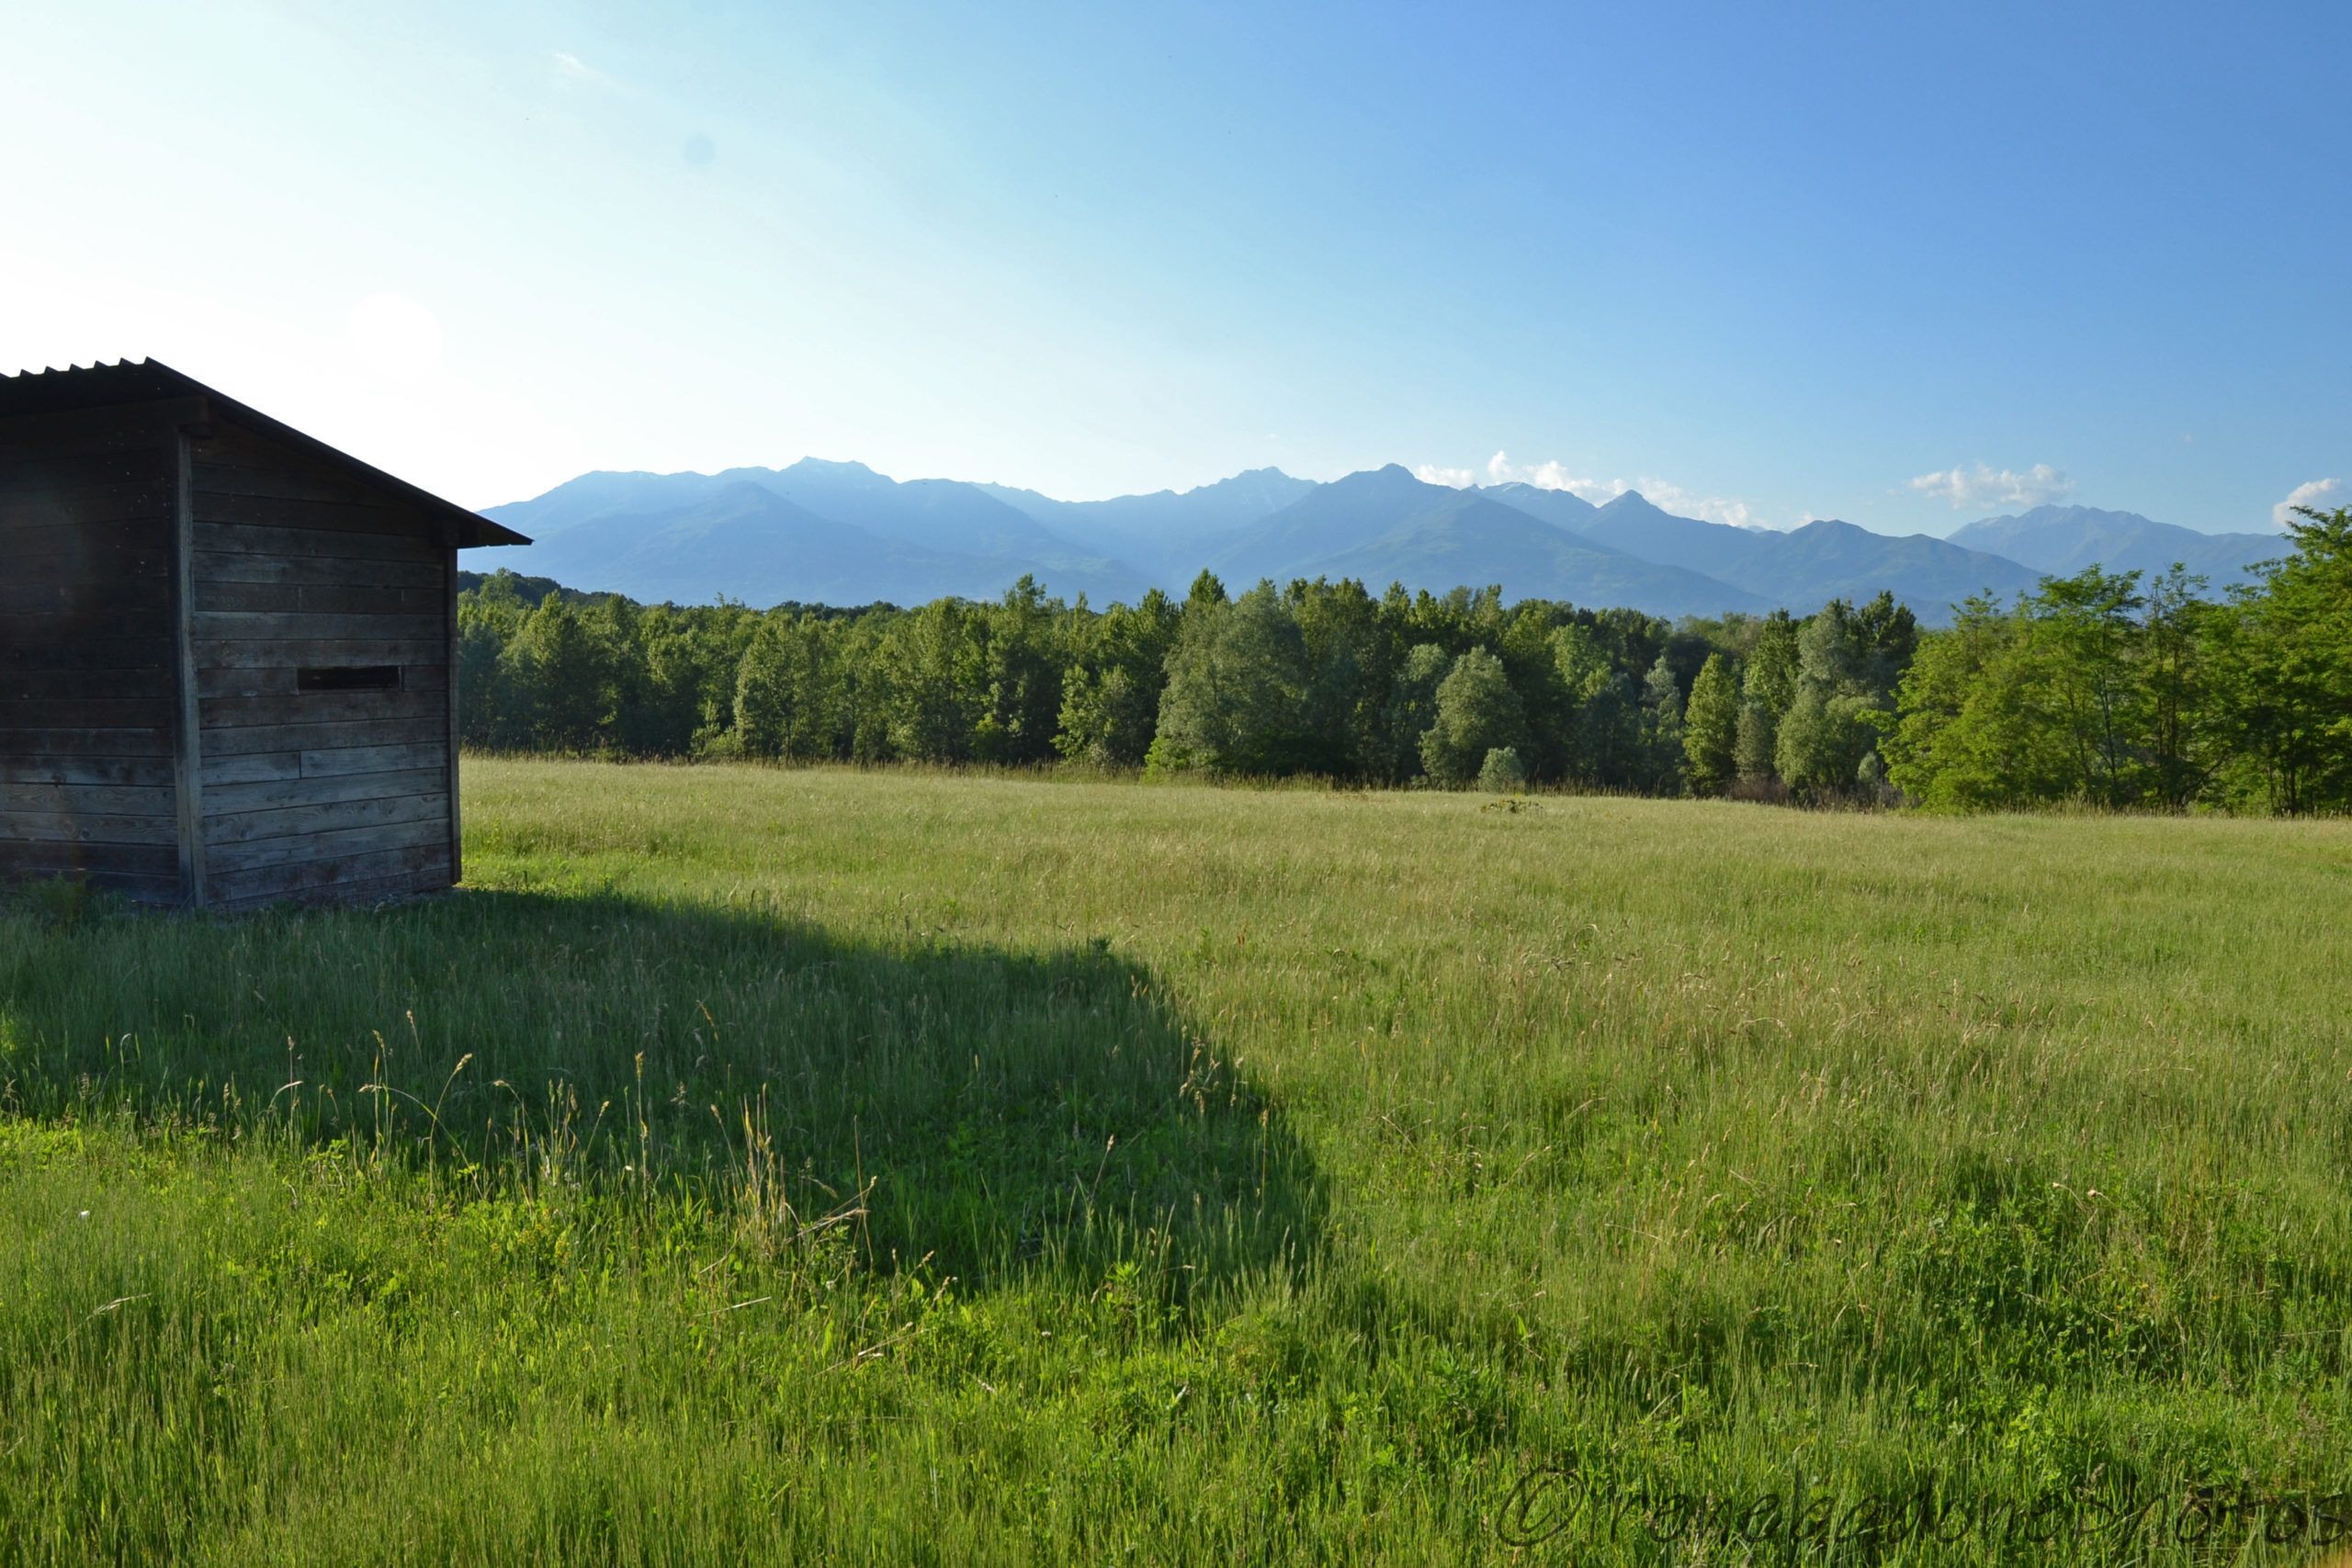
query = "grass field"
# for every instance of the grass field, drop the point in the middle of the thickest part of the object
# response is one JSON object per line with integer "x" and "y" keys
{"x": 954, "y": 1169}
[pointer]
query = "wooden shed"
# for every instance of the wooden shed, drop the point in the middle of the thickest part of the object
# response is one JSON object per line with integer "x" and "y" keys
{"x": 227, "y": 651}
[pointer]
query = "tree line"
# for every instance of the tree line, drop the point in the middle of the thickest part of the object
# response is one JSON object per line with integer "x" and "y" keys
{"x": 2097, "y": 688}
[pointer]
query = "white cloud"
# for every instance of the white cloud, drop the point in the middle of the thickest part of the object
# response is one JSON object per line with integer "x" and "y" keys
{"x": 1430, "y": 474}
{"x": 2314, "y": 495}
{"x": 1501, "y": 469}
{"x": 1984, "y": 486}
{"x": 578, "y": 70}
{"x": 1555, "y": 475}
{"x": 1552, "y": 476}
{"x": 1667, "y": 496}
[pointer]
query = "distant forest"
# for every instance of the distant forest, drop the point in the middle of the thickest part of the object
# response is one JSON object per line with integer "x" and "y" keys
{"x": 2099, "y": 689}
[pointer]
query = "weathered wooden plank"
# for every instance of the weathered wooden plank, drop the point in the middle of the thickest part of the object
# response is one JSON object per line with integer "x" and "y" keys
{"x": 131, "y": 650}
{"x": 347, "y": 598}
{"x": 236, "y": 625}
{"x": 81, "y": 686}
{"x": 233, "y": 449}
{"x": 252, "y": 538}
{"x": 351, "y": 515}
{"x": 85, "y": 713}
{"x": 188, "y": 735}
{"x": 226, "y": 468}
{"x": 255, "y": 767}
{"x": 80, "y": 828}
{"x": 38, "y": 468}
{"x": 62, "y": 532}
{"x": 334, "y": 762}
{"x": 90, "y": 595}
{"x": 246, "y": 740}
{"x": 74, "y": 537}
{"x": 326, "y": 816}
{"x": 265, "y": 653}
{"x": 85, "y": 743}
{"x": 449, "y": 713}
{"x": 340, "y": 877}
{"x": 276, "y": 793}
{"x": 117, "y": 426}
{"x": 319, "y": 842}
{"x": 53, "y": 629}
{"x": 348, "y": 891}
{"x": 104, "y": 563}
{"x": 308, "y": 571}
{"x": 90, "y": 800}
{"x": 317, "y": 707}
{"x": 138, "y": 886}
{"x": 51, "y": 857}
{"x": 264, "y": 680}
{"x": 142, "y": 772}
{"x": 320, "y": 762}
{"x": 131, "y": 507}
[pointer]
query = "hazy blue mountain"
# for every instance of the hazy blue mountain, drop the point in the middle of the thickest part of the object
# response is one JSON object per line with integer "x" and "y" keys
{"x": 842, "y": 531}
{"x": 604, "y": 493}
{"x": 1631, "y": 524}
{"x": 1557, "y": 507}
{"x": 938, "y": 514}
{"x": 747, "y": 542}
{"x": 1384, "y": 525}
{"x": 1802, "y": 569}
{"x": 937, "y": 530}
{"x": 2063, "y": 540}
{"x": 1329, "y": 519}
{"x": 1168, "y": 534}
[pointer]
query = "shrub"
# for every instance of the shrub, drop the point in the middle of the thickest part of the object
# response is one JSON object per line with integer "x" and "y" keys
{"x": 1503, "y": 772}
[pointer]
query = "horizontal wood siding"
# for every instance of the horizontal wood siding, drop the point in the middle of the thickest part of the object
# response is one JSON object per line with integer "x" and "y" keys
{"x": 86, "y": 692}
{"x": 319, "y": 795}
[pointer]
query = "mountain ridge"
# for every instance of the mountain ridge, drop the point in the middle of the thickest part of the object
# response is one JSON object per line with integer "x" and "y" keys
{"x": 846, "y": 529}
{"x": 2063, "y": 540}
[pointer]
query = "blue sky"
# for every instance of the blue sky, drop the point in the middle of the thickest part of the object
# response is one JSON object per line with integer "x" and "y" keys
{"x": 1904, "y": 265}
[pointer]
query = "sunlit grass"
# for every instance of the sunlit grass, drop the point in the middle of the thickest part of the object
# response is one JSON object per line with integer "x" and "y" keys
{"x": 932, "y": 1168}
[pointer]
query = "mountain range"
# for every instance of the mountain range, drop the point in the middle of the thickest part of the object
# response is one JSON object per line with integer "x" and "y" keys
{"x": 840, "y": 533}
{"x": 2061, "y": 540}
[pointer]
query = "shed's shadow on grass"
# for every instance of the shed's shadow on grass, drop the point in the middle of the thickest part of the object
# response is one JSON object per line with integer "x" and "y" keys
{"x": 1002, "y": 1111}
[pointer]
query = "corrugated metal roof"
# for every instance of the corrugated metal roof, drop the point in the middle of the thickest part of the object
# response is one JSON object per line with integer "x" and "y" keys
{"x": 132, "y": 381}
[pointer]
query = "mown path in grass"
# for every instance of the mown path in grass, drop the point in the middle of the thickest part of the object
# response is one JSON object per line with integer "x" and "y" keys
{"x": 921, "y": 1167}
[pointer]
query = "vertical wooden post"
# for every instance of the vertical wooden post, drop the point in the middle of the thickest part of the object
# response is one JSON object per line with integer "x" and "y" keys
{"x": 187, "y": 750}
{"x": 457, "y": 831}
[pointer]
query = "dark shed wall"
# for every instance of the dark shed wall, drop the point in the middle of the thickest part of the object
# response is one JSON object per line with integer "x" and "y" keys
{"x": 87, "y": 689}
{"x": 317, "y": 794}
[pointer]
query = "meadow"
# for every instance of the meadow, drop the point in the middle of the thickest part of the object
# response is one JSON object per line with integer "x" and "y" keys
{"x": 932, "y": 1168}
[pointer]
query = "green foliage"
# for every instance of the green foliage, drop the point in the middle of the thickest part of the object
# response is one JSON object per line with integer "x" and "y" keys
{"x": 2090, "y": 690}
{"x": 1662, "y": 733}
{"x": 1502, "y": 773}
{"x": 1477, "y": 712}
{"x": 2099, "y": 689}
{"x": 1236, "y": 680}
{"x": 2283, "y": 653}
{"x": 1412, "y": 707}
{"x": 1768, "y": 689}
{"x": 1110, "y": 692}
{"x": 1847, "y": 662}
{"x": 1710, "y": 728}
{"x": 787, "y": 690}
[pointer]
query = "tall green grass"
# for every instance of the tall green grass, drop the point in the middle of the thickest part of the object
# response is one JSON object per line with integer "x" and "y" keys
{"x": 821, "y": 1165}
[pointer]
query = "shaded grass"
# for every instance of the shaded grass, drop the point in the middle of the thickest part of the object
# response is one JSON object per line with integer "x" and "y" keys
{"x": 919, "y": 1167}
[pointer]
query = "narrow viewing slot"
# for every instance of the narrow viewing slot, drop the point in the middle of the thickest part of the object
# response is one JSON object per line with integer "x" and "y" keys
{"x": 348, "y": 678}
